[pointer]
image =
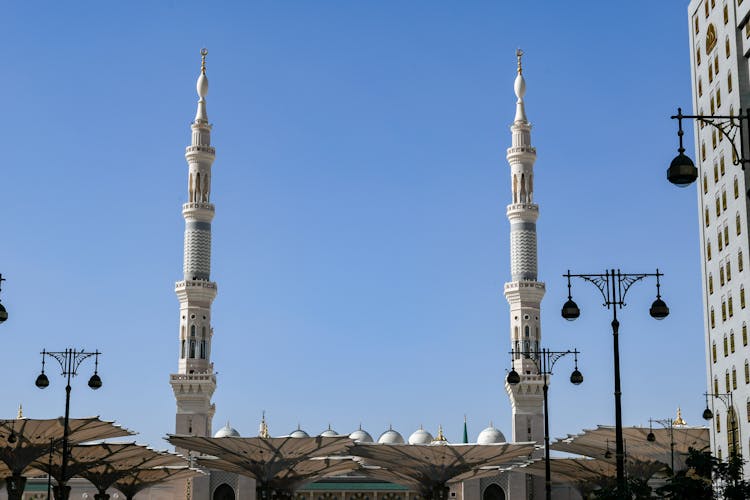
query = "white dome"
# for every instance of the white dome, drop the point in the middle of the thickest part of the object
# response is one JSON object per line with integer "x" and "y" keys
{"x": 227, "y": 431}
{"x": 361, "y": 436}
{"x": 420, "y": 436}
{"x": 299, "y": 433}
{"x": 391, "y": 437}
{"x": 329, "y": 432}
{"x": 490, "y": 436}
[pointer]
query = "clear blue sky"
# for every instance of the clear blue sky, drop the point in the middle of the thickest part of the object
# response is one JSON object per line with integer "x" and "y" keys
{"x": 360, "y": 239}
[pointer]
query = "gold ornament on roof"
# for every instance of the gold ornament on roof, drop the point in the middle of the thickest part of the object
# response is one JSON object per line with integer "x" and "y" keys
{"x": 204, "y": 53}
{"x": 679, "y": 420}
{"x": 519, "y": 55}
{"x": 440, "y": 437}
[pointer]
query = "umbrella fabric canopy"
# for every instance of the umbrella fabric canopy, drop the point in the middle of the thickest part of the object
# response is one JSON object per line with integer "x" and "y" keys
{"x": 591, "y": 470}
{"x": 594, "y": 443}
{"x": 297, "y": 475}
{"x": 263, "y": 459}
{"x": 104, "y": 463}
{"x": 430, "y": 467}
{"x": 139, "y": 479}
{"x": 24, "y": 440}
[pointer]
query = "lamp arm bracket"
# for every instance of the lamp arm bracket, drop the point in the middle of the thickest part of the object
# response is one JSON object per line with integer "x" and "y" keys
{"x": 728, "y": 126}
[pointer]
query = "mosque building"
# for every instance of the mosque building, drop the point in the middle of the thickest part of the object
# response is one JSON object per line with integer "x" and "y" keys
{"x": 195, "y": 380}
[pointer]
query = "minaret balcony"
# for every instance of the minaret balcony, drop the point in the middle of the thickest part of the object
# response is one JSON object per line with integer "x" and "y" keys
{"x": 200, "y": 291}
{"x": 200, "y": 149}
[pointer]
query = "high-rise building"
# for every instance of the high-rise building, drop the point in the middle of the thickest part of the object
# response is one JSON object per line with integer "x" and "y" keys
{"x": 524, "y": 293}
{"x": 195, "y": 380}
{"x": 719, "y": 45}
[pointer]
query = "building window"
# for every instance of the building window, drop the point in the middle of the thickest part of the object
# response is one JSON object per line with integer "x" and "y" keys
{"x": 700, "y": 87}
{"x": 703, "y": 151}
{"x": 723, "y": 199}
{"x": 697, "y": 25}
{"x": 710, "y": 283}
{"x": 742, "y": 297}
{"x": 192, "y": 349}
{"x": 731, "y": 340}
{"x": 726, "y": 231}
{"x": 705, "y": 184}
{"x": 182, "y": 349}
{"x": 718, "y": 98}
{"x": 713, "y": 107}
{"x": 721, "y": 166}
{"x": 726, "y": 381}
{"x": 698, "y": 55}
{"x": 726, "y": 17}
{"x": 744, "y": 333}
{"x": 747, "y": 372}
{"x": 708, "y": 251}
{"x": 739, "y": 224}
{"x": 716, "y": 385}
{"x": 716, "y": 64}
{"x": 729, "y": 270}
{"x": 748, "y": 409}
{"x": 734, "y": 378}
{"x": 706, "y": 10}
{"x": 192, "y": 330}
{"x": 721, "y": 245}
{"x": 726, "y": 346}
{"x": 726, "y": 47}
{"x": 729, "y": 83}
{"x": 721, "y": 274}
{"x": 713, "y": 352}
{"x": 736, "y": 188}
{"x": 723, "y": 310}
{"x": 718, "y": 206}
{"x": 716, "y": 173}
{"x": 710, "y": 72}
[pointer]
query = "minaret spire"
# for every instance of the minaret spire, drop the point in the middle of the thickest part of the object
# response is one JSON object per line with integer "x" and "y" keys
{"x": 524, "y": 293}
{"x": 195, "y": 380}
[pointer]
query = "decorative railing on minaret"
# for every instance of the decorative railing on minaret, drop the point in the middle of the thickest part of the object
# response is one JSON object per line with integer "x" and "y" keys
{"x": 524, "y": 293}
{"x": 195, "y": 380}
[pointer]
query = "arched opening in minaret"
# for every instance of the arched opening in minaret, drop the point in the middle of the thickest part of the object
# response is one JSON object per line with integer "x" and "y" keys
{"x": 493, "y": 492}
{"x": 523, "y": 188}
{"x": 224, "y": 492}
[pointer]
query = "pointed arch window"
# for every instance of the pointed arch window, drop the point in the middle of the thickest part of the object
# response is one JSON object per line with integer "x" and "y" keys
{"x": 736, "y": 188}
{"x": 732, "y": 431}
{"x": 726, "y": 46}
{"x": 726, "y": 346}
{"x": 703, "y": 151}
{"x": 713, "y": 351}
{"x": 723, "y": 199}
{"x": 721, "y": 166}
{"x": 729, "y": 270}
{"x": 716, "y": 385}
{"x": 716, "y": 64}
{"x": 698, "y": 55}
{"x": 718, "y": 206}
{"x": 731, "y": 340}
{"x": 700, "y": 87}
{"x": 740, "y": 264}
{"x": 705, "y": 184}
{"x": 697, "y": 25}
{"x": 723, "y": 310}
{"x": 742, "y": 296}
{"x": 192, "y": 349}
{"x": 738, "y": 222}
{"x": 726, "y": 20}
{"x": 708, "y": 250}
{"x": 716, "y": 172}
{"x": 744, "y": 333}
{"x": 747, "y": 372}
{"x": 729, "y": 83}
{"x": 182, "y": 349}
{"x": 710, "y": 284}
{"x": 721, "y": 274}
{"x": 734, "y": 378}
{"x": 708, "y": 218}
{"x": 727, "y": 384}
{"x": 718, "y": 100}
{"x": 726, "y": 234}
{"x": 748, "y": 409}
{"x": 713, "y": 319}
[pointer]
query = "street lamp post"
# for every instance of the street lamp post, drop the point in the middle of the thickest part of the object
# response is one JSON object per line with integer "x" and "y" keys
{"x": 667, "y": 423}
{"x": 614, "y": 286}
{"x": 3, "y": 312}
{"x": 545, "y": 360}
{"x": 726, "y": 398}
{"x": 69, "y": 361}
{"x": 682, "y": 171}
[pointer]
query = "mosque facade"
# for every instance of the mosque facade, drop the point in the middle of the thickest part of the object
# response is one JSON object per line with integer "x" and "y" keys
{"x": 195, "y": 381}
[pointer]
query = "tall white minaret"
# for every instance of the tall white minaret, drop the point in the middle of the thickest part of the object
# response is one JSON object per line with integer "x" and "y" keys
{"x": 524, "y": 293}
{"x": 195, "y": 380}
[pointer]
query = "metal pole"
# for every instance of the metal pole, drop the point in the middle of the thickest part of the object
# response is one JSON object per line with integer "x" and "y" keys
{"x": 49, "y": 474}
{"x": 62, "y": 484}
{"x": 619, "y": 452}
{"x": 547, "y": 471}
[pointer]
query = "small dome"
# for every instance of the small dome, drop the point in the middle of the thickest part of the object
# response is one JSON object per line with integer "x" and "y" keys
{"x": 299, "y": 433}
{"x": 329, "y": 432}
{"x": 391, "y": 437}
{"x": 227, "y": 431}
{"x": 361, "y": 436}
{"x": 420, "y": 436}
{"x": 490, "y": 436}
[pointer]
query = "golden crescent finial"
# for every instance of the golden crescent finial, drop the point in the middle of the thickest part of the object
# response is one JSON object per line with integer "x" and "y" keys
{"x": 204, "y": 53}
{"x": 519, "y": 55}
